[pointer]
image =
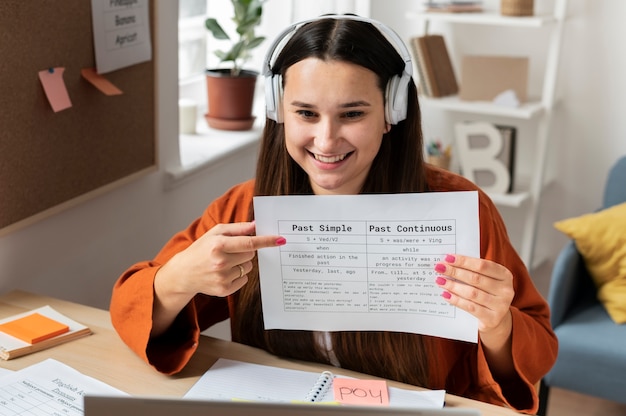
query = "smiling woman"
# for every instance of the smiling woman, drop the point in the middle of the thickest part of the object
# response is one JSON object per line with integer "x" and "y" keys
{"x": 357, "y": 132}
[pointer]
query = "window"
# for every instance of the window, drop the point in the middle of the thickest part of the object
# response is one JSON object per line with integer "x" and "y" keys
{"x": 195, "y": 43}
{"x": 191, "y": 38}
{"x": 192, "y": 46}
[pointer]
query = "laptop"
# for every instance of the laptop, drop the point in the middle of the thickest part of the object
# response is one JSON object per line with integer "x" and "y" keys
{"x": 164, "y": 406}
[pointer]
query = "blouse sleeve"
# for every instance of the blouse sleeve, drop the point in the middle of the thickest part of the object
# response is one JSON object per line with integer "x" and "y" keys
{"x": 133, "y": 294}
{"x": 534, "y": 344}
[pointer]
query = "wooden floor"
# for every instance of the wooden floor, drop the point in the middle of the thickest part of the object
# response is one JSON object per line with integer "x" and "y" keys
{"x": 566, "y": 403}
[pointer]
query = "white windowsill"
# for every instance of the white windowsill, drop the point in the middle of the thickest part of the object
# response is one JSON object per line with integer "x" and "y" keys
{"x": 209, "y": 146}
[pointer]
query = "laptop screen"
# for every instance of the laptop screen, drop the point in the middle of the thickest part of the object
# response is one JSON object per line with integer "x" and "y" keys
{"x": 162, "y": 406}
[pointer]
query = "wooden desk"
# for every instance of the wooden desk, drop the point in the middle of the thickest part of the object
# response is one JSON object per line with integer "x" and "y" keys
{"x": 105, "y": 357}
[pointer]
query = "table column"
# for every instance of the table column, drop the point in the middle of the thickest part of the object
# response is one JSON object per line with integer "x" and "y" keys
{"x": 324, "y": 266}
{"x": 401, "y": 258}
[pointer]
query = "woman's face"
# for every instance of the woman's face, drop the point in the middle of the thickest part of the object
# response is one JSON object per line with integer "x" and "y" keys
{"x": 334, "y": 122}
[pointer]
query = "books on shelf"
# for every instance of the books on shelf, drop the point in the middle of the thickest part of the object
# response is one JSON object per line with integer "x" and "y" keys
{"x": 36, "y": 330}
{"x": 421, "y": 62}
{"x": 434, "y": 67}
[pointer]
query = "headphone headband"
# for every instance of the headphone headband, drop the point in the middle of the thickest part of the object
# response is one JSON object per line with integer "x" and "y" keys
{"x": 396, "y": 91}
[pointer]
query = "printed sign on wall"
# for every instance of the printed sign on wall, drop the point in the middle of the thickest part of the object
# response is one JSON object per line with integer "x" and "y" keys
{"x": 121, "y": 33}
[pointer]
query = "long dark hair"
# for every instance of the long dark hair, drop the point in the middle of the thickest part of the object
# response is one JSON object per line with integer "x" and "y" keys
{"x": 398, "y": 167}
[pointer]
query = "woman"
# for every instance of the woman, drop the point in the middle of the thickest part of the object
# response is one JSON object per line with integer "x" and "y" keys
{"x": 330, "y": 130}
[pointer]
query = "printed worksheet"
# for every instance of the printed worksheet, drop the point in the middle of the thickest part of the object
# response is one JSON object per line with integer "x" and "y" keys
{"x": 236, "y": 380}
{"x": 48, "y": 388}
{"x": 365, "y": 262}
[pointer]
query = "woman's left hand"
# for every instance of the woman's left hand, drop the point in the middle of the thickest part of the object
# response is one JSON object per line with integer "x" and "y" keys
{"x": 481, "y": 287}
{"x": 484, "y": 289}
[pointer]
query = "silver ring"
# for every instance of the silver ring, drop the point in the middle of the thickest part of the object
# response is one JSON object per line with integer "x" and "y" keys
{"x": 241, "y": 270}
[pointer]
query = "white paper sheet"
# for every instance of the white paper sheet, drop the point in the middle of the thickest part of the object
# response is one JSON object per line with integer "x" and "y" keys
{"x": 49, "y": 388}
{"x": 236, "y": 380}
{"x": 121, "y": 30}
{"x": 365, "y": 262}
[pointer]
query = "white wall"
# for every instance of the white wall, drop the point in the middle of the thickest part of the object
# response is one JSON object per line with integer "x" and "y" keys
{"x": 78, "y": 253}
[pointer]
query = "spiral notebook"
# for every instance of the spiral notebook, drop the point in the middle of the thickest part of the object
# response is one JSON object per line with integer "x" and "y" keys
{"x": 241, "y": 381}
{"x": 319, "y": 390}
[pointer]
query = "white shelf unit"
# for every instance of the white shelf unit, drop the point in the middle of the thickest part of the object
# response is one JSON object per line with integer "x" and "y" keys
{"x": 539, "y": 111}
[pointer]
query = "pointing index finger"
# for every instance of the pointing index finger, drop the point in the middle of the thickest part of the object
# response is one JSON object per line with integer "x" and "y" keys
{"x": 255, "y": 242}
{"x": 263, "y": 241}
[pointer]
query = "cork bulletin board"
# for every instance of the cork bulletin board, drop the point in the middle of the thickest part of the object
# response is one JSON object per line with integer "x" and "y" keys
{"x": 49, "y": 159}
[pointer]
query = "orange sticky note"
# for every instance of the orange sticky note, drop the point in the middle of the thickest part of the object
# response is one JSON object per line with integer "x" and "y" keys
{"x": 361, "y": 392}
{"x": 34, "y": 328}
{"x": 54, "y": 87}
{"x": 100, "y": 82}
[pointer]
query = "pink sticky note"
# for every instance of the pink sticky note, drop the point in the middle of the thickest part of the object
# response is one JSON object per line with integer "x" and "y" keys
{"x": 100, "y": 82}
{"x": 361, "y": 392}
{"x": 54, "y": 87}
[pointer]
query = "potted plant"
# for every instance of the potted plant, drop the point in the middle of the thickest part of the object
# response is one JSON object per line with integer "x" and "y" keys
{"x": 231, "y": 90}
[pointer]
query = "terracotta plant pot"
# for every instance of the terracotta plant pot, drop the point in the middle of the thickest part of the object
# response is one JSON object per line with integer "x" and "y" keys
{"x": 230, "y": 99}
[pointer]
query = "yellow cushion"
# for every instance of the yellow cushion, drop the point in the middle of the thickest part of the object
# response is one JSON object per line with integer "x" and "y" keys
{"x": 601, "y": 240}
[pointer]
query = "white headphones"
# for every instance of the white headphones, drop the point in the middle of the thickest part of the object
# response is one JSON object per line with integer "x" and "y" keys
{"x": 397, "y": 87}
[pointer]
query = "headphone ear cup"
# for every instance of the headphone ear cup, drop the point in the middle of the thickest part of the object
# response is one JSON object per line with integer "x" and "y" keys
{"x": 270, "y": 102}
{"x": 396, "y": 99}
{"x": 390, "y": 100}
{"x": 273, "y": 97}
{"x": 277, "y": 90}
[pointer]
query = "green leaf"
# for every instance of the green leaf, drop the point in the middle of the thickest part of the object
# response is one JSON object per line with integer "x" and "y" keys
{"x": 222, "y": 55}
{"x": 240, "y": 7}
{"x": 255, "y": 9}
{"x": 255, "y": 42}
{"x": 238, "y": 49}
{"x": 215, "y": 29}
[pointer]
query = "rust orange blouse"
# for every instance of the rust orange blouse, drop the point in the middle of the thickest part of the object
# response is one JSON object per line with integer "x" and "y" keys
{"x": 461, "y": 367}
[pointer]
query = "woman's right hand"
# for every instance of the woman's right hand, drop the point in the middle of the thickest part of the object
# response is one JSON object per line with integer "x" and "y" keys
{"x": 216, "y": 264}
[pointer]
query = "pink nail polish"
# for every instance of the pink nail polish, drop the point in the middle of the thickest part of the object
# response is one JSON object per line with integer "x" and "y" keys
{"x": 450, "y": 258}
{"x": 440, "y": 281}
{"x": 446, "y": 295}
{"x": 440, "y": 268}
{"x": 281, "y": 241}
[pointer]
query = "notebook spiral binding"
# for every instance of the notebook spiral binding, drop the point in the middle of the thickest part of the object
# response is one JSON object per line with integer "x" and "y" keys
{"x": 321, "y": 386}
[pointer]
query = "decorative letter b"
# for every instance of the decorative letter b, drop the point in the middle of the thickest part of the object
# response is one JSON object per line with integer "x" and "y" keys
{"x": 483, "y": 158}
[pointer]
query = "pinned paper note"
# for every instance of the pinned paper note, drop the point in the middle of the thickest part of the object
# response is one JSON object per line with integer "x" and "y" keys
{"x": 100, "y": 82}
{"x": 361, "y": 392}
{"x": 34, "y": 328}
{"x": 54, "y": 87}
